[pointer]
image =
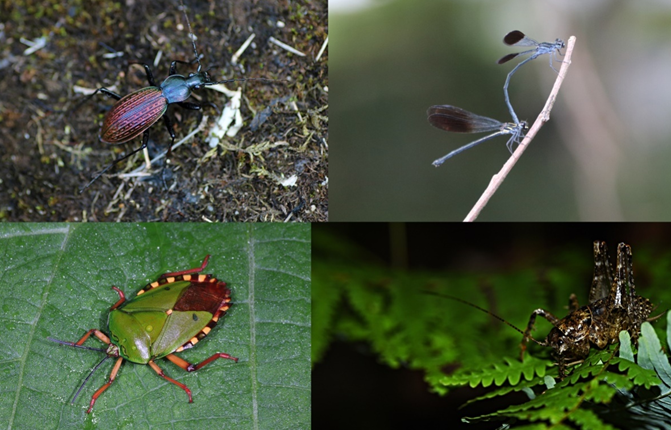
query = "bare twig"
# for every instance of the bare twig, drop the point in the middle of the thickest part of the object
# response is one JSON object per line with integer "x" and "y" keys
{"x": 543, "y": 117}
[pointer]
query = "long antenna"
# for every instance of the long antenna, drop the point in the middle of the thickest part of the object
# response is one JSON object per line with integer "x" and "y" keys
{"x": 87, "y": 378}
{"x": 195, "y": 51}
{"x": 457, "y": 299}
{"x": 191, "y": 35}
{"x": 62, "y": 342}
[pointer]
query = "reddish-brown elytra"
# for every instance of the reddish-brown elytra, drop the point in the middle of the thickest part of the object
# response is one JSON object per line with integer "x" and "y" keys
{"x": 133, "y": 114}
{"x": 166, "y": 317}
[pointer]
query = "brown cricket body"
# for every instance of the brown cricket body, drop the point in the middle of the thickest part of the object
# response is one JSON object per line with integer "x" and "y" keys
{"x": 613, "y": 307}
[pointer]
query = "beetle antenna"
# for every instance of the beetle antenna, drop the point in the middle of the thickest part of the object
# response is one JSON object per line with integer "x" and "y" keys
{"x": 241, "y": 79}
{"x": 447, "y": 296}
{"x": 62, "y": 342}
{"x": 87, "y": 378}
{"x": 191, "y": 36}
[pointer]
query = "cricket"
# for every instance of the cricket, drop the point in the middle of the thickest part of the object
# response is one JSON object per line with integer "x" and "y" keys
{"x": 613, "y": 306}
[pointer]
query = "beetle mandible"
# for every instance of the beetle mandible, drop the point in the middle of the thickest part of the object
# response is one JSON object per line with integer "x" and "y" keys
{"x": 166, "y": 317}
{"x": 136, "y": 112}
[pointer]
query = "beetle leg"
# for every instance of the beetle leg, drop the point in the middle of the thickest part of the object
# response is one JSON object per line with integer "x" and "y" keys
{"x": 150, "y": 76}
{"x": 167, "y": 378}
{"x": 193, "y": 367}
{"x": 108, "y": 93}
{"x": 102, "y": 90}
{"x": 97, "y": 394}
{"x": 188, "y": 271}
{"x": 194, "y": 106}
{"x": 145, "y": 139}
{"x": 173, "y": 65}
{"x": 168, "y": 125}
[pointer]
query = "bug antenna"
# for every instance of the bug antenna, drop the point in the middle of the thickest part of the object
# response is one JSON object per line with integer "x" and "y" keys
{"x": 87, "y": 378}
{"x": 447, "y": 296}
{"x": 191, "y": 36}
{"x": 62, "y": 342}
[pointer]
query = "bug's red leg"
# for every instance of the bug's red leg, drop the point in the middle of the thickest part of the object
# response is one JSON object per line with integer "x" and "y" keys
{"x": 193, "y": 367}
{"x": 97, "y": 394}
{"x": 169, "y": 379}
{"x": 100, "y": 335}
{"x": 122, "y": 298}
{"x": 188, "y": 271}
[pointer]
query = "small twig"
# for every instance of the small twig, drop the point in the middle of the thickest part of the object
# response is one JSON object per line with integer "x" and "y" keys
{"x": 283, "y": 45}
{"x": 543, "y": 117}
{"x": 238, "y": 53}
{"x": 321, "y": 51}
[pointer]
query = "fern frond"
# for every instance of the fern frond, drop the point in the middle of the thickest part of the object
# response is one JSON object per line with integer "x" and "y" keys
{"x": 592, "y": 396}
{"x": 510, "y": 370}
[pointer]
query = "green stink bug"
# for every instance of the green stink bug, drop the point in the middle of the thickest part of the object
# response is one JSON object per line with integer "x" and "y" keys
{"x": 167, "y": 316}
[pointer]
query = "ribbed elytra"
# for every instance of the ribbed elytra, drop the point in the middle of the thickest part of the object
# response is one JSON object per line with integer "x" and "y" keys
{"x": 133, "y": 114}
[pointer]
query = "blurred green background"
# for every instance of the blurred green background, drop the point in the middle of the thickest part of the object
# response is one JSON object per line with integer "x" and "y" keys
{"x": 602, "y": 156}
{"x": 371, "y": 330}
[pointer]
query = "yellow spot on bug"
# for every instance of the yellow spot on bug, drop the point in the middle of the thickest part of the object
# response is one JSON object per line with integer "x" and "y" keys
{"x": 224, "y": 308}
{"x": 215, "y": 319}
{"x": 168, "y": 312}
{"x": 186, "y": 277}
{"x": 180, "y": 349}
{"x": 154, "y": 284}
{"x": 170, "y": 279}
{"x": 206, "y": 330}
{"x": 201, "y": 278}
{"x": 194, "y": 340}
{"x": 140, "y": 292}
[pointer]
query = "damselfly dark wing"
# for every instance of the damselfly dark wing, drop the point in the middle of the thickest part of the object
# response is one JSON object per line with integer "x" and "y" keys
{"x": 517, "y": 38}
{"x": 457, "y": 120}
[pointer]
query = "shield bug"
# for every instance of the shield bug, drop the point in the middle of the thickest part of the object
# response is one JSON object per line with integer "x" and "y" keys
{"x": 133, "y": 114}
{"x": 166, "y": 317}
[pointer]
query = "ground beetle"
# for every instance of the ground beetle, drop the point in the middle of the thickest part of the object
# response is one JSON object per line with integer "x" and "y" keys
{"x": 133, "y": 114}
{"x": 167, "y": 316}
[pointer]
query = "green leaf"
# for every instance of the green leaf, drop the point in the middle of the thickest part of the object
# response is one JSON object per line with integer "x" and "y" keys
{"x": 55, "y": 281}
{"x": 650, "y": 355}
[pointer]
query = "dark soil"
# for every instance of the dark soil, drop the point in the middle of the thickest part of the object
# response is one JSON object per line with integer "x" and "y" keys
{"x": 49, "y": 145}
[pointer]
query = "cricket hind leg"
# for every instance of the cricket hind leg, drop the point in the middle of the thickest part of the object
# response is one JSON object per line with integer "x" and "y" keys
{"x": 602, "y": 280}
{"x": 573, "y": 303}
